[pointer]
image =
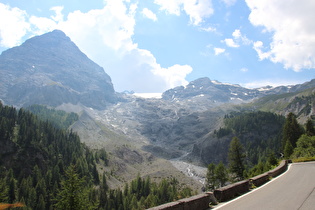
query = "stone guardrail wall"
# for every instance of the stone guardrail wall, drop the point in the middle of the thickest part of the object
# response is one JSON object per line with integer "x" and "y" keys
{"x": 265, "y": 177}
{"x": 283, "y": 166}
{"x": 225, "y": 193}
{"x": 230, "y": 191}
{"x": 233, "y": 190}
{"x": 200, "y": 201}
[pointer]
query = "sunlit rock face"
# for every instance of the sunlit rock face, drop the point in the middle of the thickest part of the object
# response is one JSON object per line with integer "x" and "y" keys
{"x": 51, "y": 70}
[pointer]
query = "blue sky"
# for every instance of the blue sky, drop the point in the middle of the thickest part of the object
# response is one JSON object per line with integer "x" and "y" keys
{"x": 154, "y": 45}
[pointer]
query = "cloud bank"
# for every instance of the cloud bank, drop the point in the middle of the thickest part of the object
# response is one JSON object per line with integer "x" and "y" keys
{"x": 293, "y": 31}
{"x": 197, "y": 10}
{"x": 13, "y": 25}
{"x": 149, "y": 14}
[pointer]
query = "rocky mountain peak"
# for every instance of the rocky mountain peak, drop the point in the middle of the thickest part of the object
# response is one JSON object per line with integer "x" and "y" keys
{"x": 211, "y": 90}
{"x": 213, "y": 93}
{"x": 51, "y": 70}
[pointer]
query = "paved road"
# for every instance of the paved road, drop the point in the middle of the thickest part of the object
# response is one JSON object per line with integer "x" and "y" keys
{"x": 294, "y": 190}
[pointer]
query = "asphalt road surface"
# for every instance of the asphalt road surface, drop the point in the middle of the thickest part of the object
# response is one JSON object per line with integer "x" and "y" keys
{"x": 295, "y": 189}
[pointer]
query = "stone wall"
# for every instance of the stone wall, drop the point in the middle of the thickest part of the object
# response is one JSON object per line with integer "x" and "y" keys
{"x": 259, "y": 180}
{"x": 283, "y": 166}
{"x": 202, "y": 201}
{"x": 231, "y": 191}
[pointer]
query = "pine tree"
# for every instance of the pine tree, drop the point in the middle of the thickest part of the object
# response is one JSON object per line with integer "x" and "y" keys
{"x": 12, "y": 187}
{"x": 73, "y": 194}
{"x": 211, "y": 181}
{"x": 146, "y": 186}
{"x": 41, "y": 203}
{"x": 309, "y": 128}
{"x": 236, "y": 159}
{"x": 271, "y": 159}
{"x": 288, "y": 150}
{"x": 221, "y": 174}
{"x": 31, "y": 200}
{"x": 4, "y": 190}
{"x": 291, "y": 131}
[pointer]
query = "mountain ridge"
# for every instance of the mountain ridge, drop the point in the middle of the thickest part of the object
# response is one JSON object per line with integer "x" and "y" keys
{"x": 218, "y": 92}
{"x": 50, "y": 69}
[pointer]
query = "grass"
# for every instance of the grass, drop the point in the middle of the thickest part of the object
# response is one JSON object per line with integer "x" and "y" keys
{"x": 303, "y": 159}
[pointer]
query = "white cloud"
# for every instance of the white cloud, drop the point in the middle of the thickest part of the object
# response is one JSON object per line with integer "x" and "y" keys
{"x": 244, "y": 69}
{"x": 229, "y": 2}
{"x": 172, "y": 7}
{"x": 149, "y": 14}
{"x": 292, "y": 27}
{"x": 13, "y": 25}
{"x": 58, "y": 13}
{"x": 209, "y": 29}
{"x": 237, "y": 34}
{"x": 112, "y": 26}
{"x": 259, "y": 46}
{"x": 237, "y": 40}
{"x": 16, "y": 23}
{"x": 174, "y": 75}
{"x": 230, "y": 43}
{"x": 197, "y": 10}
{"x": 240, "y": 38}
{"x": 270, "y": 82}
{"x": 41, "y": 25}
{"x": 218, "y": 51}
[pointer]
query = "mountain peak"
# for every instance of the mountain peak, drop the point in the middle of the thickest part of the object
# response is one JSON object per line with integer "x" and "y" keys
{"x": 51, "y": 39}
{"x": 50, "y": 69}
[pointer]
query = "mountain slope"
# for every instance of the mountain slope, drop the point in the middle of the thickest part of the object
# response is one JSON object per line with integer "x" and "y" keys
{"x": 51, "y": 70}
{"x": 301, "y": 103}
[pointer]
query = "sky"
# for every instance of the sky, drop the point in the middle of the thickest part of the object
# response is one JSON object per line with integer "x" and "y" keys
{"x": 149, "y": 46}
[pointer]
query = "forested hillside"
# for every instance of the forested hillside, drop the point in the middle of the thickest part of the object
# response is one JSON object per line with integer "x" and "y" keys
{"x": 259, "y": 132}
{"x": 34, "y": 156}
{"x": 45, "y": 167}
{"x": 58, "y": 118}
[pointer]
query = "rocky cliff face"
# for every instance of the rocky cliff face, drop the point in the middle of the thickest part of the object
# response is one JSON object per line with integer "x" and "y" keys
{"x": 51, "y": 70}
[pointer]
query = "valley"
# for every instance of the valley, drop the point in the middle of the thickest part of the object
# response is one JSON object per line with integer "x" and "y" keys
{"x": 175, "y": 136}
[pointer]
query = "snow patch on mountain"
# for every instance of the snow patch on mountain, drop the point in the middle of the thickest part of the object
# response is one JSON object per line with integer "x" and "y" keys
{"x": 148, "y": 95}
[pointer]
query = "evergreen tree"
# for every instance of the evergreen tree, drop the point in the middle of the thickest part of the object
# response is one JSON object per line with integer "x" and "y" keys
{"x": 211, "y": 181}
{"x": 12, "y": 187}
{"x": 221, "y": 174}
{"x": 288, "y": 150}
{"x": 41, "y": 203}
{"x": 271, "y": 159}
{"x": 31, "y": 200}
{"x": 309, "y": 128}
{"x": 4, "y": 191}
{"x": 146, "y": 186}
{"x": 73, "y": 194}
{"x": 134, "y": 203}
{"x": 236, "y": 159}
{"x": 291, "y": 131}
